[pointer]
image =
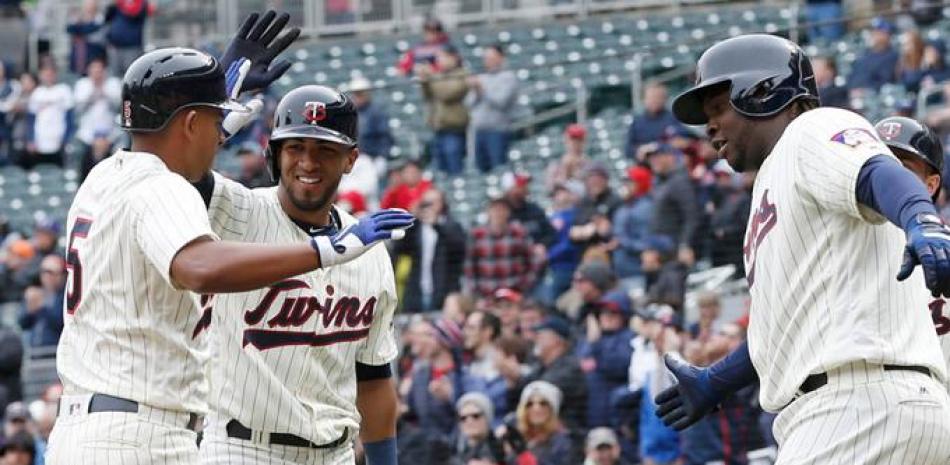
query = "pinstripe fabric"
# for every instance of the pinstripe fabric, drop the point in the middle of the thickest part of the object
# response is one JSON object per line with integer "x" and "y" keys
{"x": 151, "y": 437}
{"x": 218, "y": 449}
{"x": 821, "y": 271}
{"x": 866, "y": 415}
{"x": 822, "y": 274}
{"x": 305, "y": 389}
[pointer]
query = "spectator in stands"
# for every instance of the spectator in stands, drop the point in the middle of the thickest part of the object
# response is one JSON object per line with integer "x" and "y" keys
{"x": 506, "y": 305}
{"x": 605, "y": 354}
{"x": 423, "y": 53}
{"x": 630, "y": 223}
{"x": 665, "y": 276}
{"x": 436, "y": 247}
{"x": 44, "y": 417}
{"x": 11, "y": 363}
{"x": 826, "y": 73}
{"x": 593, "y": 227}
{"x": 563, "y": 255}
{"x": 87, "y": 38}
{"x": 603, "y": 448}
{"x": 18, "y": 422}
{"x": 729, "y": 208}
{"x": 475, "y": 442}
{"x": 407, "y": 188}
{"x": 492, "y": 99}
{"x": 375, "y": 137}
{"x": 659, "y": 445}
{"x": 590, "y": 282}
{"x": 436, "y": 377}
{"x": 710, "y": 308}
{"x": 676, "y": 212}
{"x": 15, "y": 273}
{"x": 20, "y": 119}
{"x": 481, "y": 332}
{"x": 539, "y": 423}
{"x": 656, "y": 123}
{"x": 878, "y": 65}
{"x": 499, "y": 254}
{"x": 20, "y": 449}
{"x": 532, "y": 314}
{"x": 97, "y": 98}
{"x": 13, "y": 34}
{"x": 824, "y": 19}
{"x": 42, "y": 313}
{"x": 556, "y": 364}
{"x": 100, "y": 149}
{"x": 51, "y": 103}
{"x": 911, "y": 62}
{"x": 934, "y": 64}
{"x": 252, "y": 165}
{"x": 126, "y": 32}
{"x": 339, "y": 12}
{"x": 526, "y": 212}
{"x": 573, "y": 162}
{"x": 9, "y": 93}
{"x": 444, "y": 92}
{"x": 46, "y": 231}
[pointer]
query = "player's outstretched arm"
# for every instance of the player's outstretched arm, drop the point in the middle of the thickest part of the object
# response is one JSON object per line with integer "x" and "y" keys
{"x": 257, "y": 41}
{"x": 377, "y": 402}
{"x": 887, "y": 187}
{"x": 208, "y": 266}
{"x": 700, "y": 390}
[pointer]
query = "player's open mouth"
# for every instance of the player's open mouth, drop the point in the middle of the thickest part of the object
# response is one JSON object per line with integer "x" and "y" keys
{"x": 308, "y": 180}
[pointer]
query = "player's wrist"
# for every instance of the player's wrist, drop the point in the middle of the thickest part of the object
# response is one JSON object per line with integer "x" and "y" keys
{"x": 382, "y": 452}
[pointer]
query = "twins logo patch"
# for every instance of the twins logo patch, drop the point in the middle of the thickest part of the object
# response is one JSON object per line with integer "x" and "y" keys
{"x": 854, "y": 137}
{"x": 889, "y": 130}
{"x": 315, "y": 112}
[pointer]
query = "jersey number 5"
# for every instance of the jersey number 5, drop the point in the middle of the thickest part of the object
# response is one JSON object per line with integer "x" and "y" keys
{"x": 73, "y": 265}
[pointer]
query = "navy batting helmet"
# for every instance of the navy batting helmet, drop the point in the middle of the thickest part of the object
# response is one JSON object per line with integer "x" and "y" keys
{"x": 765, "y": 74}
{"x": 160, "y": 83}
{"x": 913, "y": 137}
{"x": 312, "y": 112}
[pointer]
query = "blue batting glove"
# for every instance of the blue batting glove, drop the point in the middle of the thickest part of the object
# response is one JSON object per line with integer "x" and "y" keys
{"x": 688, "y": 401}
{"x": 354, "y": 240}
{"x": 928, "y": 244}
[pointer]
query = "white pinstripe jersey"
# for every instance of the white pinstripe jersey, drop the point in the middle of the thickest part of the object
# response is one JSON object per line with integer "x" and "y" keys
{"x": 128, "y": 331}
{"x": 940, "y": 312}
{"x": 286, "y": 355}
{"x": 821, "y": 267}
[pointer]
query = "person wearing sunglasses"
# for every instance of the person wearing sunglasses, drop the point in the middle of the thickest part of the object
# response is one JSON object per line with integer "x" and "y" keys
{"x": 538, "y": 420}
{"x": 475, "y": 417}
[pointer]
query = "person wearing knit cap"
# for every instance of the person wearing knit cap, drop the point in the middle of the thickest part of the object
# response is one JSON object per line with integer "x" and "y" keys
{"x": 539, "y": 422}
{"x": 475, "y": 422}
{"x": 605, "y": 354}
{"x": 436, "y": 376}
{"x": 630, "y": 223}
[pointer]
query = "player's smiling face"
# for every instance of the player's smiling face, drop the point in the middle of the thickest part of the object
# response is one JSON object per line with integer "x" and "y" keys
{"x": 311, "y": 169}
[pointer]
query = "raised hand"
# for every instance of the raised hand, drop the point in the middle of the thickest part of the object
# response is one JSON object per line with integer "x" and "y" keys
{"x": 255, "y": 41}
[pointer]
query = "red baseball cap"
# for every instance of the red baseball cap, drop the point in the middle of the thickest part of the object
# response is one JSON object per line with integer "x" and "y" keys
{"x": 510, "y": 295}
{"x": 576, "y": 131}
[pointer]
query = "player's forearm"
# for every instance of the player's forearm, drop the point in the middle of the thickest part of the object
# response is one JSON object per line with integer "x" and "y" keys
{"x": 222, "y": 266}
{"x": 733, "y": 372}
{"x": 888, "y": 188}
{"x": 377, "y": 403}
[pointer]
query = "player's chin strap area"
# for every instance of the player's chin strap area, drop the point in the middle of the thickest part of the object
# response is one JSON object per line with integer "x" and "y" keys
{"x": 236, "y": 430}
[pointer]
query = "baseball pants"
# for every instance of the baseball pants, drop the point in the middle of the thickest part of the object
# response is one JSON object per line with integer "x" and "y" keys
{"x": 151, "y": 436}
{"x": 866, "y": 415}
{"x": 218, "y": 449}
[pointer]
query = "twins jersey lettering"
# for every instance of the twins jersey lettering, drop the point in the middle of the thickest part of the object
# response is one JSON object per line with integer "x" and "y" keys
{"x": 286, "y": 354}
{"x": 821, "y": 267}
{"x": 128, "y": 329}
{"x": 940, "y": 313}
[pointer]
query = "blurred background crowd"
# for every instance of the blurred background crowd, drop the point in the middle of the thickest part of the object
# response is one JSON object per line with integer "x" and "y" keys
{"x": 570, "y": 230}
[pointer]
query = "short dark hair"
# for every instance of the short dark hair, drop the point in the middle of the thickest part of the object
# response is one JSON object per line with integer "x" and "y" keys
{"x": 492, "y": 322}
{"x": 498, "y": 48}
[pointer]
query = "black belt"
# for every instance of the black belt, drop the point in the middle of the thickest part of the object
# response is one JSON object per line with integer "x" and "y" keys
{"x": 236, "y": 430}
{"x": 818, "y": 380}
{"x": 105, "y": 403}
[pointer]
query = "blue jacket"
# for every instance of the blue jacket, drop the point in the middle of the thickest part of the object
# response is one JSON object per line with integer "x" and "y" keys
{"x": 496, "y": 389}
{"x": 647, "y": 128}
{"x": 563, "y": 253}
{"x": 556, "y": 451}
{"x": 612, "y": 353}
{"x": 436, "y": 418}
{"x": 374, "y": 136}
{"x": 874, "y": 69}
{"x": 46, "y": 325}
{"x": 126, "y": 31}
{"x": 657, "y": 441}
{"x": 631, "y": 230}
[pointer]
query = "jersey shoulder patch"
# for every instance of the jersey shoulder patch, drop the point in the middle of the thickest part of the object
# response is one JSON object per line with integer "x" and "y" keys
{"x": 853, "y": 137}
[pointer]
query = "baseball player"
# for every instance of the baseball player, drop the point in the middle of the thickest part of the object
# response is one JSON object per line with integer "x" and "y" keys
{"x": 302, "y": 365}
{"x": 131, "y": 358}
{"x": 919, "y": 149}
{"x": 844, "y": 352}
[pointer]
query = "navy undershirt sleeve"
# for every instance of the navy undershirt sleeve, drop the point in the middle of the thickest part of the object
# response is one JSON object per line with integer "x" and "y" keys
{"x": 885, "y": 186}
{"x": 366, "y": 372}
{"x": 733, "y": 372}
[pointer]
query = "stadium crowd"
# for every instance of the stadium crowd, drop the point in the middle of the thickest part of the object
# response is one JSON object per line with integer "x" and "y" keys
{"x": 531, "y": 337}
